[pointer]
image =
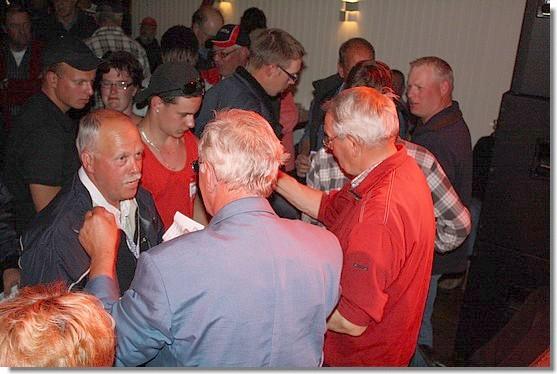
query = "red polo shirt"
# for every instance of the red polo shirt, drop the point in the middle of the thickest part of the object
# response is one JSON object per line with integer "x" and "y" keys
{"x": 386, "y": 228}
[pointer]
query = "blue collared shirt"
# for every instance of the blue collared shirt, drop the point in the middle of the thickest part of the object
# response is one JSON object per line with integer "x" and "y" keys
{"x": 249, "y": 290}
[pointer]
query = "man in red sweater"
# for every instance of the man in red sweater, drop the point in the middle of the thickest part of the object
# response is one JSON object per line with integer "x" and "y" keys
{"x": 384, "y": 221}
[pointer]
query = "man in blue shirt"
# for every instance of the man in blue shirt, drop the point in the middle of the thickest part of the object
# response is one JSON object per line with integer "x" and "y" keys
{"x": 249, "y": 290}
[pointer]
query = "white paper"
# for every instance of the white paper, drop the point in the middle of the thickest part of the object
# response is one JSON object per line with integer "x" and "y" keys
{"x": 181, "y": 225}
{"x": 13, "y": 293}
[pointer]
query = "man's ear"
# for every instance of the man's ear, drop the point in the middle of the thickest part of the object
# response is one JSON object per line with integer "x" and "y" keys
{"x": 355, "y": 147}
{"x": 156, "y": 102}
{"x": 51, "y": 78}
{"x": 445, "y": 87}
{"x": 87, "y": 161}
{"x": 269, "y": 70}
{"x": 212, "y": 179}
{"x": 340, "y": 70}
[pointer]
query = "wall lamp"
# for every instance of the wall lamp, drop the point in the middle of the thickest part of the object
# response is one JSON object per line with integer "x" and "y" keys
{"x": 349, "y": 11}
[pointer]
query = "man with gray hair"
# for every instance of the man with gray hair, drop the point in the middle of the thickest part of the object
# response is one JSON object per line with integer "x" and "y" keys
{"x": 111, "y": 152}
{"x": 249, "y": 290}
{"x": 110, "y": 36}
{"x": 384, "y": 220}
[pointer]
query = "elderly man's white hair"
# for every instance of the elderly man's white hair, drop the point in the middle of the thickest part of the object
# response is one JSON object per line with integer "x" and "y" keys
{"x": 365, "y": 114}
{"x": 243, "y": 150}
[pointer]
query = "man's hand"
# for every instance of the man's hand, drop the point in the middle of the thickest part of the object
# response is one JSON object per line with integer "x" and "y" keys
{"x": 302, "y": 165}
{"x": 100, "y": 238}
{"x": 10, "y": 277}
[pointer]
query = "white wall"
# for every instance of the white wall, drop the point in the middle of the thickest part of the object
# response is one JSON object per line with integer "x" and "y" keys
{"x": 478, "y": 38}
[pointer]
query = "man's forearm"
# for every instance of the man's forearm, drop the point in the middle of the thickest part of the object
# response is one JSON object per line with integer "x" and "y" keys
{"x": 305, "y": 198}
{"x": 338, "y": 323}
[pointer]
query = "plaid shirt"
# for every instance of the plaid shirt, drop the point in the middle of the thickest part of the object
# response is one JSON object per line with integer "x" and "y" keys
{"x": 452, "y": 218}
{"x": 112, "y": 38}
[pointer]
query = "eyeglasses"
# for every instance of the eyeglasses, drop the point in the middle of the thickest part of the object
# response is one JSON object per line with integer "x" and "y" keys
{"x": 196, "y": 87}
{"x": 120, "y": 86}
{"x": 292, "y": 77}
{"x": 223, "y": 54}
{"x": 328, "y": 141}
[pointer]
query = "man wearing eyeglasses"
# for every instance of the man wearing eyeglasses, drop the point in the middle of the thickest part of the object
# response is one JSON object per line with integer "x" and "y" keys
{"x": 384, "y": 220}
{"x": 249, "y": 290}
{"x": 41, "y": 153}
{"x": 275, "y": 60}
{"x": 230, "y": 49}
{"x": 205, "y": 23}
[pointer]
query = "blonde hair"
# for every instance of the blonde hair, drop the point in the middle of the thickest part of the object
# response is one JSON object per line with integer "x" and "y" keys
{"x": 49, "y": 326}
{"x": 243, "y": 150}
{"x": 441, "y": 68}
{"x": 273, "y": 46}
{"x": 365, "y": 114}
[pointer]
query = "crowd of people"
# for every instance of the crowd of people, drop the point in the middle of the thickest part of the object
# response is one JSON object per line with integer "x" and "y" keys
{"x": 327, "y": 252}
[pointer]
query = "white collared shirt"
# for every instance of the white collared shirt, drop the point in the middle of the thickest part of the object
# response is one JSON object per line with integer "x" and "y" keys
{"x": 357, "y": 180}
{"x": 124, "y": 217}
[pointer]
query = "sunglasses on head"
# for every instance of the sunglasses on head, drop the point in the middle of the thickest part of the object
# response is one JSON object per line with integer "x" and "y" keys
{"x": 196, "y": 87}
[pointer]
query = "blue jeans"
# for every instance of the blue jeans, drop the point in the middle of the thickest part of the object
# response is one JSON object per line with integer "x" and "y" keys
{"x": 426, "y": 331}
{"x": 425, "y": 337}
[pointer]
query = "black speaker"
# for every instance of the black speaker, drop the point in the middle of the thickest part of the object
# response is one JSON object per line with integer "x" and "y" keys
{"x": 531, "y": 69}
{"x": 512, "y": 246}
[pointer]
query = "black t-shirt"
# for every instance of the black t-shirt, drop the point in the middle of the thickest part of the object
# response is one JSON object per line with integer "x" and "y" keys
{"x": 41, "y": 150}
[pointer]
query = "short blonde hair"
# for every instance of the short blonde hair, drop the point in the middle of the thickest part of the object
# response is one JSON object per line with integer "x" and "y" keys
{"x": 441, "y": 68}
{"x": 49, "y": 326}
{"x": 243, "y": 150}
{"x": 365, "y": 114}
{"x": 273, "y": 46}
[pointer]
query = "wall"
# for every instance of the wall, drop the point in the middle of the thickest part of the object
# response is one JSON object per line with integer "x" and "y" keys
{"x": 478, "y": 38}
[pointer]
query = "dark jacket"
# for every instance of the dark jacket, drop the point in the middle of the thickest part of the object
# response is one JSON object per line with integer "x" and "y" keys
{"x": 446, "y": 135}
{"x": 324, "y": 89}
{"x": 50, "y": 28}
{"x": 8, "y": 238}
{"x": 239, "y": 91}
{"x": 51, "y": 250}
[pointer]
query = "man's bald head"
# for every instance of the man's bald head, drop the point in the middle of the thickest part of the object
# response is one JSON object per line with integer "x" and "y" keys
{"x": 205, "y": 23}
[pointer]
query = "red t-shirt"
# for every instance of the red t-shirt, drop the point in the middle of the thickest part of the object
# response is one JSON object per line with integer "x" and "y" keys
{"x": 172, "y": 190}
{"x": 386, "y": 228}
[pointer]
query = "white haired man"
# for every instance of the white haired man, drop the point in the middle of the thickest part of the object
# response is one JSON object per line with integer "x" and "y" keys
{"x": 111, "y": 153}
{"x": 385, "y": 224}
{"x": 249, "y": 290}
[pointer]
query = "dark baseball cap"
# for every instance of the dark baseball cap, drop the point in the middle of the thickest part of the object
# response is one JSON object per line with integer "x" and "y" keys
{"x": 230, "y": 35}
{"x": 172, "y": 79}
{"x": 72, "y": 51}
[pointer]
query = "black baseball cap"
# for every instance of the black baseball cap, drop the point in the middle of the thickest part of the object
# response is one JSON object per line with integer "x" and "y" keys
{"x": 72, "y": 51}
{"x": 172, "y": 79}
{"x": 230, "y": 35}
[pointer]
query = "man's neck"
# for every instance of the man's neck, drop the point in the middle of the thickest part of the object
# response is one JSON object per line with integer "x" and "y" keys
{"x": 17, "y": 47}
{"x": 49, "y": 92}
{"x": 110, "y": 24}
{"x": 67, "y": 20}
{"x": 226, "y": 196}
{"x": 375, "y": 155}
{"x": 258, "y": 75}
{"x": 146, "y": 40}
{"x": 444, "y": 105}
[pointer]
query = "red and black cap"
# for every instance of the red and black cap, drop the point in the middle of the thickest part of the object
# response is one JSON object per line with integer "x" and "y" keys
{"x": 230, "y": 35}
